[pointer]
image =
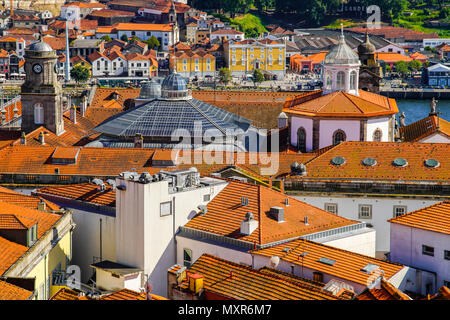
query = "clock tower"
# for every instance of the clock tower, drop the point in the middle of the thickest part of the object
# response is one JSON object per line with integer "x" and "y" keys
{"x": 41, "y": 92}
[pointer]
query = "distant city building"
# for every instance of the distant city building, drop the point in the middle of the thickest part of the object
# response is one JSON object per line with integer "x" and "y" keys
{"x": 437, "y": 75}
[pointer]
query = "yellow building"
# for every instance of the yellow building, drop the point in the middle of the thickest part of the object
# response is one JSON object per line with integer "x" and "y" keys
{"x": 34, "y": 242}
{"x": 193, "y": 63}
{"x": 243, "y": 57}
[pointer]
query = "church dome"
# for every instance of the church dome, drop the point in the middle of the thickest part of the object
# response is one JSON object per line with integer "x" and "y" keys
{"x": 174, "y": 87}
{"x": 40, "y": 47}
{"x": 150, "y": 90}
{"x": 341, "y": 54}
{"x": 366, "y": 47}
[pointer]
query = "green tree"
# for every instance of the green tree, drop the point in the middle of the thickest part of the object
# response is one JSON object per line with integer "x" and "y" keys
{"x": 387, "y": 68}
{"x": 444, "y": 13}
{"x": 124, "y": 38}
{"x": 134, "y": 38}
{"x": 80, "y": 73}
{"x": 258, "y": 76}
{"x": 225, "y": 75}
{"x": 415, "y": 65}
{"x": 152, "y": 42}
{"x": 252, "y": 33}
{"x": 401, "y": 67}
{"x": 106, "y": 38}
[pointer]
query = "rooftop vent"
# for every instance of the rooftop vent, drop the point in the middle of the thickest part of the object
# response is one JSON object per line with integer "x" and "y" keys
{"x": 298, "y": 169}
{"x": 145, "y": 177}
{"x": 286, "y": 249}
{"x": 274, "y": 261}
{"x": 432, "y": 163}
{"x": 277, "y": 213}
{"x": 203, "y": 209}
{"x": 370, "y": 268}
{"x": 327, "y": 261}
{"x": 400, "y": 162}
{"x": 244, "y": 201}
{"x": 249, "y": 224}
{"x": 286, "y": 202}
{"x": 112, "y": 183}
{"x": 306, "y": 220}
{"x": 338, "y": 161}
{"x": 99, "y": 183}
{"x": 369, "y": 162}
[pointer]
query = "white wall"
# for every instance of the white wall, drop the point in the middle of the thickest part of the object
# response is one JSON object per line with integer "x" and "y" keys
{"x": 406, "y": 248}
{"x": 374, "y": 124}
{"x": 363, "y": 242}
{"x": 86, "y": 240}
{"x": 435, "y": 138}
{"x": 145, "y": 240}
{"x": 297, "y": 122}
{"x": 392, "y": 48}
{"x": 328, "y": 127}
{"x": 382, "y": 210}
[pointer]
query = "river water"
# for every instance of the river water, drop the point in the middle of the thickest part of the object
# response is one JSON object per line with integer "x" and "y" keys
{"x": 418, "y": 109}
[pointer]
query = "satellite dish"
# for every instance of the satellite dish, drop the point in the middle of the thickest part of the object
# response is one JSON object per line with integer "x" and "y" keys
{"x": 274, "y": 261}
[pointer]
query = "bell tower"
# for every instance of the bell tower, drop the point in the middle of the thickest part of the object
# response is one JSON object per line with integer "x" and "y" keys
{"x": 41, "y": 92}
{"x": 370, "y": 74}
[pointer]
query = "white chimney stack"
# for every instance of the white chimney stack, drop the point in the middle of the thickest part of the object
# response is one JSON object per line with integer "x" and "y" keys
{"x": 249, "y": 224}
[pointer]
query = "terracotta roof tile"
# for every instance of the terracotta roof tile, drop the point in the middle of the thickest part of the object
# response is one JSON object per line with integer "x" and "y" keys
{"x": 9, "y": 291}
{"x": 108, "y": 13}
{"x": 386, "y": 292}
{"x": 68, "y": 294}
{"x": 10, "y": 252}
{"x": 26, "y": 201}
{"x": 225, "y": 214}
{"x": 143, "y": 27}
{"x": 234, "y": 281}
{"x": 424, "y": 128}
{"x": 343, "y": 104}
{"x": 347, "y": 265}
{"x": 433, "y": 218}
{"x": 321, "y": 168}
{"x": 103, "y": 95}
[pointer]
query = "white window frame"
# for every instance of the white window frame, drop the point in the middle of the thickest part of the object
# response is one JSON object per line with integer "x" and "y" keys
{"x": 361, "y": 207}
{"x": 328, "y": 207}
{"x": 163, "y": 211}
{"x": 395, "y": 214}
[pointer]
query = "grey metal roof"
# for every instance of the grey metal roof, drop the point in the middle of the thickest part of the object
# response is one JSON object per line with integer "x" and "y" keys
{"x": 341, "y": 54}
{"x": 150, "y": 90}
{"x": 40, "y": 47}
{"x": 174, "y": 82}
{"x": 160, "y": 118}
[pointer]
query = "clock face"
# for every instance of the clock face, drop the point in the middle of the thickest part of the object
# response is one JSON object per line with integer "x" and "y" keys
{"x": 37, "y": 68}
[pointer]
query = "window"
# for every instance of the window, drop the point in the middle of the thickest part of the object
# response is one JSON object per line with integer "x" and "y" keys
{"x": 206, "y": 197}
{"x": 196, "y": 61}
{"x": 427, "y": 250}
{"x": 329, "y": 81}
{"x": 187, "y": 257}
{"x": 165, "y": 208}
{"x": 353, "y": 80}
{"x": 184, "y": 61}
{"x": 301, "y": 139}
{"x": 447, "y": 254}
{"x": 365, "y": 211}
{"x": 377, "y": 134}
{"x": 318, "y": 276}
{"x": 399, "y": 210}
{"x": 338, "y": 137}
{"x": 331, "y": 207}
{"x": 38, "y": 113}
{"x": 341, "y": 80}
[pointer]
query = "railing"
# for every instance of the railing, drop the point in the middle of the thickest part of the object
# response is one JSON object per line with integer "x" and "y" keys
{"x": 332, "y": 232}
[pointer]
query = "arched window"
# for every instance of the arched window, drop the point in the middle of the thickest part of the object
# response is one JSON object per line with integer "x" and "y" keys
{"x": 328, "y": 80}
{"x": 353, "y": 80}
{"x": 341, "y": 80}
{"x": 38, "y": 113}
{"x": 338, "y": 137}
{"x": 377, "y": 134}
{"x": 301, "y": 139}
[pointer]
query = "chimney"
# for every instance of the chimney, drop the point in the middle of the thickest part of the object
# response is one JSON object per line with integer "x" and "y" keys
{"x": 41, "y": 138}
{"x": 83, "y": 106}
{"x": 277, "y": 213}
{"x": 138, "y": 140}
{"x": 23, "y": 139}
{"x": 73, "y": 114}
{"x": 42, "y": 206}
{"x": 249, "y": 224}
{"x": 195, "y": 283}
{"x": 306, "y": 221}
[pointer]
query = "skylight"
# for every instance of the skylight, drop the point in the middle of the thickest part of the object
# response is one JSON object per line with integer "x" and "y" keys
{"x": 327, "y": 261}
{"x": 370, "y": 268}
{"x": 400, "y": 162}
{"x": 369, "y": 162}
{"x": 432, "y": 163}
{"x": 338, "y": 161}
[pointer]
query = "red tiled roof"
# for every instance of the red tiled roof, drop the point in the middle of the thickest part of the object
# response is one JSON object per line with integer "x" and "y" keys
{"x": 230, "y": 280}
{"x": 85, "y": 4}
{"x": 343, "y": 104}
{"x": 391, "y": 57}
{"x": 347, "y": 264}
{"x": 103, "y": 95}
{"x": 55, "y": 43}
{"x": 225, "y": 214}
{"x": 108, "y": 13}
{"x": 433, "y": 218}
{"x": 424, "y": 128}
{"x": 19, "y": 199}
{"x": 85, "y": 192}
{"x": 10, "y": 253}
{"x": 9, "y": 291}
{"x": 386, "y": 292}
{"x": 68, "y": 294}
{"x": 321, "y": 168}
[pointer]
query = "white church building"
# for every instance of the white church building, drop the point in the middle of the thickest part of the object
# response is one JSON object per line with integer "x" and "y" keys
{"x": 341, "y": 111}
